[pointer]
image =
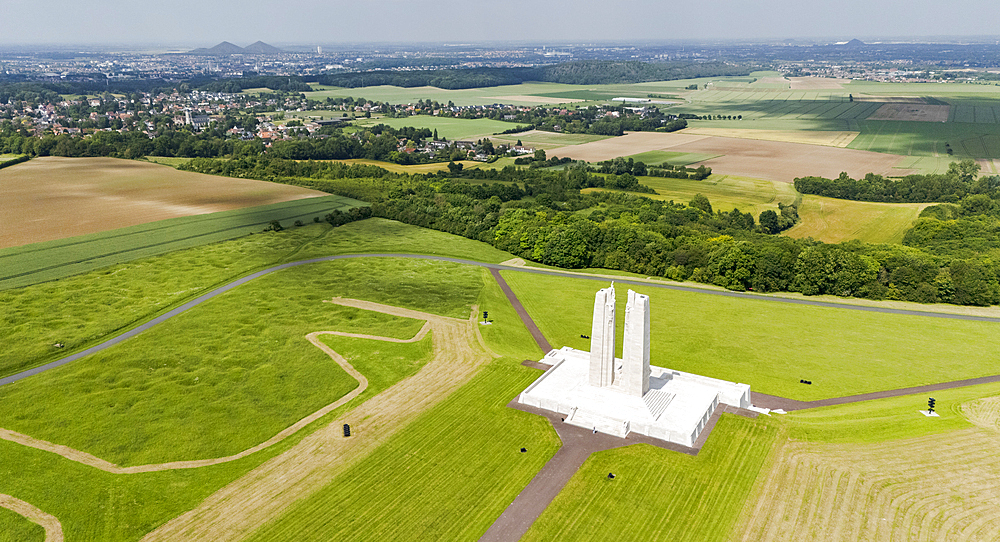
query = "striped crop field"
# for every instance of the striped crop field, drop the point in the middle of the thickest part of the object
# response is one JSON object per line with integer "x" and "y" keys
{"x": 51, "y": 260}
{"x": 51, "y": 197}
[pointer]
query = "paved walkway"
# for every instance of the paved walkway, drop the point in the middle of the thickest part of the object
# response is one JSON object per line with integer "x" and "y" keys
{"x": 525, "y": 317}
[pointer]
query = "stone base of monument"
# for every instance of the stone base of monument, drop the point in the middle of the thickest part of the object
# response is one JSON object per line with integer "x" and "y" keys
{"x": 675, "y": 409}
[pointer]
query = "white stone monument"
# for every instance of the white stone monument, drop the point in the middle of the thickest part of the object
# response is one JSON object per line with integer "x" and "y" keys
{"x": 598, "y": 391}
{"x": 602, "y": 339}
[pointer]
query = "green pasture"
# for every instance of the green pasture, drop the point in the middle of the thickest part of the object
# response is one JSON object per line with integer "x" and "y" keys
{"x": 93, "y": 505}
{"x": 82, "y": 310}
{"x": 772, "y": 345}
{"x": 447, "y": 476}
{"x": 452, "y": 472}
{"x": 547, "y": 140}
{"x": 886, "y": 419}
{"x": 725, "y": 192}
{"x": 834, "y": 220}
{"x": 967, "y": 140}
{"x": 130, "y": 403}
{"x": 171, "y": 161}
{"x": 661, "y": 495}
{"x": 16, "y": 528}
{"x": 447, "y": 127}
{"x": 51, "y": 260}
{"x": 670, "y": 157}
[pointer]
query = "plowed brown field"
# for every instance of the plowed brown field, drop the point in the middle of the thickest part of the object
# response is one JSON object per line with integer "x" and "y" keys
{"x": 53, "y": 198}
{"x": 771, "y": 160}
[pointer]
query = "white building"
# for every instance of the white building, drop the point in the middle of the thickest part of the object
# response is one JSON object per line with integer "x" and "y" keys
{"x": 599, "y": 391}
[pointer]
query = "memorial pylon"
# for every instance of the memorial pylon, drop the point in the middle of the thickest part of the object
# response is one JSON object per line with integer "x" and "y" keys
{"x": 635, "y": 350}
{"x": 602, "y": 339}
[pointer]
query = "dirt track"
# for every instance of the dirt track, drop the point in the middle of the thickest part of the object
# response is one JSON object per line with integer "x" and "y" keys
{"x": 98, "y": 463}
{"x": 238, "y": 509}
{"x": 53, "y": 529}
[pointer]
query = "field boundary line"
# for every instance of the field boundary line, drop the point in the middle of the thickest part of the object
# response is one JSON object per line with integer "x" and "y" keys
{"x": 53, "y": 529}
{"x": 93, "y": 461}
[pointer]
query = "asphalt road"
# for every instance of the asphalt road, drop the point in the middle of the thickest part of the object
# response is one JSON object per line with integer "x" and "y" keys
{"x": 497, "y": 267}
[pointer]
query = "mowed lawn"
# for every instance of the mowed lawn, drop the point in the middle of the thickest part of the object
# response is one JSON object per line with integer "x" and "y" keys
{"x": 724, "y": 192}
{"x": 772, "y": 345}
{"x": 17, "y": 528}
{"x": 243, "y": 371}
{"x": 447, "y": 476}
{"x": 453, "y": 471}
{"x": 81, "y": 310}
{"x": 834, "y": 220}
{"x": 658, "y": 494}
{"x": 52, "y": 198}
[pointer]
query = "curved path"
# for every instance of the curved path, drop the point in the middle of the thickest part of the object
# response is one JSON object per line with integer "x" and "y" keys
{"x": 53, "y": 529}
{"x": 260, "y": 496}
{"x": 498, "y": 267}
{"x": 92, "y": 461}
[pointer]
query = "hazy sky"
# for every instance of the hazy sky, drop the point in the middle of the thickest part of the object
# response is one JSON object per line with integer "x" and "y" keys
{"x": 307, "y": 22}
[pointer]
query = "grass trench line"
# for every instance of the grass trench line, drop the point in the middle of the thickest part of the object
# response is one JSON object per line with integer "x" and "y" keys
{"x": 244, "y": 370}
{"x": 773, "y": 346}
{"x": 82, "y": 310}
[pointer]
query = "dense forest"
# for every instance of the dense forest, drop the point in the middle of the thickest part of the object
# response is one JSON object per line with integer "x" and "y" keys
{"x": 960, "y": 181}
{"x": 951, "y": 256}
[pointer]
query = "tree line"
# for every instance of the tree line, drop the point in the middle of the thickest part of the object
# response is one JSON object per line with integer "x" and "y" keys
{"x": 960, "y": 181}
{"x": 543, "y": 216}
{"x": 584, "y": 72}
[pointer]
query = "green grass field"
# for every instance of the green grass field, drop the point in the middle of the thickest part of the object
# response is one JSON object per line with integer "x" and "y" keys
{"x": 547, "y": 140}
{"x": 725, "y": 192}
{"x": 93, "y": 505}
{"x": 81, "y": 310}
{"x": 447, "y": 127}
{"x": 445, "y": 477}
{"x": 464, "y": 453}
{"x": 836, "y": 220}
{"x": 658, "y": 494}
{"x": 51, "y": 260}
{"x": 886, "y": 419}
{"x": 16, "y": 528}
{"x": 672, "y": 158}
{"x": 129, "y": 404}
{"x": 171, "y": 161}
{"x": 771, "y": 346}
